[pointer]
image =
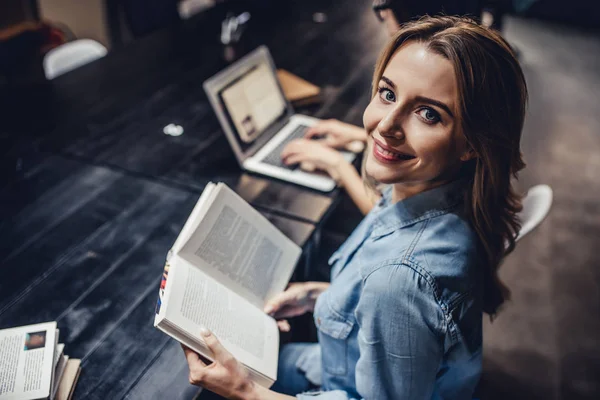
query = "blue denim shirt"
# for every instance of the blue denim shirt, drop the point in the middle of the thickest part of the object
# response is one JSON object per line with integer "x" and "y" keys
{"x": 402, "y": 318}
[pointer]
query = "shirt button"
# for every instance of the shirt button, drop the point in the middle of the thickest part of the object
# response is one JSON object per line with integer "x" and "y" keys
{"x": 318, "y": 321}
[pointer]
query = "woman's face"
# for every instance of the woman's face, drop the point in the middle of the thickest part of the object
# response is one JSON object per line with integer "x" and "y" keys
{"x": 411, "y": 121}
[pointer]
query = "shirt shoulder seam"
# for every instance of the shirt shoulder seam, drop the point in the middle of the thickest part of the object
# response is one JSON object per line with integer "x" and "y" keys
{"x": 431, "y": 281}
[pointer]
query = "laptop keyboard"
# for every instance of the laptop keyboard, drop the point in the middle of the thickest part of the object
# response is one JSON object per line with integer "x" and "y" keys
{"x": 274, "y": 157}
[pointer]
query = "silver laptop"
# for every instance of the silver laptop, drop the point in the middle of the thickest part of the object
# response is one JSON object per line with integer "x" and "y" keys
{"x": 258, "y": 120}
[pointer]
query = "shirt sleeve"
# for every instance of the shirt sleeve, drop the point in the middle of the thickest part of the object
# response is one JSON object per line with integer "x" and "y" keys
{"x": 400, "y": 337}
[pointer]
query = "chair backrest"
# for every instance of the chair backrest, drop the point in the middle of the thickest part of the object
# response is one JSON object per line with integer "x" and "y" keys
{"x": 72, "y": 55}
{"x": 536, "y": 205}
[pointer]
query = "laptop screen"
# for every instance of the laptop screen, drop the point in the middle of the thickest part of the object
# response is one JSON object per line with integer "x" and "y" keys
{"x": 253, "y": 102}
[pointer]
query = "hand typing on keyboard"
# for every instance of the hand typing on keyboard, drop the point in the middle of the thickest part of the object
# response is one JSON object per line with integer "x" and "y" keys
{"x": 312, "y": 153}
{"x": 339, "y": 135}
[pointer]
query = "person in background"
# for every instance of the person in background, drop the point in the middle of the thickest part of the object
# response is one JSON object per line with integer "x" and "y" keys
{"x": 402, "y": 316}
{"x": 337, "y": 134}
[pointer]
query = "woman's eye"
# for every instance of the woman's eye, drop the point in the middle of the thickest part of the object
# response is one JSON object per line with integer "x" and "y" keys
{"x": 387, "y": 95}
{"x": 429, "y": 116}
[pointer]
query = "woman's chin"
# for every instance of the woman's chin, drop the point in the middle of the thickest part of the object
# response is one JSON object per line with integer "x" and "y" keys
{"x": 385, "y": 178}
{"x": 383, "y": 174}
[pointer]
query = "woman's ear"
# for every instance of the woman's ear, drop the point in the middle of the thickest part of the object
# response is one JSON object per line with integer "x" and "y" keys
{"x": 469, "y": 154}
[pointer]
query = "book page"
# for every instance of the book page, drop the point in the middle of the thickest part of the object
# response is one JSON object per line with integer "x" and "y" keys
{"x": 195, "y": 300}
{"x": 241, "y": 249}
{"x": 195, "y": 217}
{"x": 27, "y": 361}
{"x": 58, "y": 358}
{"x": 67, "y": 383}
{"x": 58, "y": 373}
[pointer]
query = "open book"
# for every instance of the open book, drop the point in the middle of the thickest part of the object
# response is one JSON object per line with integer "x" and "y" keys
{"x": 32, "y": 362}
{"x": 227, "y": 261}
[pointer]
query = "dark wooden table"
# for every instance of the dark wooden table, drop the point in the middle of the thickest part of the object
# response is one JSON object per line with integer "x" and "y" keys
{"x": 112, "y": 112}
{"x": 83, "y": 245}
{"x": 93, "y": 193}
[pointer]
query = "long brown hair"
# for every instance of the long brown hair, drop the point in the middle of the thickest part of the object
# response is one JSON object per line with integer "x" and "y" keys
{"x": 492, "y": 97}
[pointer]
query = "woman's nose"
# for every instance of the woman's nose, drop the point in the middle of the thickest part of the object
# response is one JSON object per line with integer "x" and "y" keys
{"x": 391, "y": 126}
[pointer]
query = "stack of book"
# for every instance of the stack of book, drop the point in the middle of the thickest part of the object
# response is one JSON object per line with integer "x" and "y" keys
{"x": 33, "y": 364}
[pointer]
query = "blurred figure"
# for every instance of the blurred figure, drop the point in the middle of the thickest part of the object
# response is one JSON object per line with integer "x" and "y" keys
{"x": 334, "y": 134}
{"x": 394, "y": 12}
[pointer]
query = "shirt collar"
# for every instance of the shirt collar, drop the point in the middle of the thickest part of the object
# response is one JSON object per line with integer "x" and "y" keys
{"x": 431, "y": 203}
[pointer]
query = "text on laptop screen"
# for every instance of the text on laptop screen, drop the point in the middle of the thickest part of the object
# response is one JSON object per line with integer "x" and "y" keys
{"x": 253, "y": 102}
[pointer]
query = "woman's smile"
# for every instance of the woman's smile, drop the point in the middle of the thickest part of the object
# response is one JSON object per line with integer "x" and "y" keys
{"x": 387, "y": 155}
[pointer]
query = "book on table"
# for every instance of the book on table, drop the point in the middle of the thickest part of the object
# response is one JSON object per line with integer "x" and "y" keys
{"x": 33, "y": 363}
{"x": 69, "y": 380}
{"x": 298, "y": 91}
{"x": 226, "y": 263}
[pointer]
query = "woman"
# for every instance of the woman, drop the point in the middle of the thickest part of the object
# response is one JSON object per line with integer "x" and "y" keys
{"x": 340, "y": 135}
{"x": 402, "y": 316}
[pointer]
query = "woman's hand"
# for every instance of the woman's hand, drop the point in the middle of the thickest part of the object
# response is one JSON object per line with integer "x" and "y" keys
{"x": 297, "y": 299}
{"x": 337, "y": 134}
{"x": 225, "y": 376}
{"x": 311, "y": 155}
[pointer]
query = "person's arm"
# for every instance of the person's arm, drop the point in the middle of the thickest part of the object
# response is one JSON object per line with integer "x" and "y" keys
{"x": 400, "y": 337}
{"x": 349, "y": 179}
{"x": 298, "y": 299}
{"x": 337, "y": 134}
{"x": 319, "y": 156}
{"x": 402, "y": 329}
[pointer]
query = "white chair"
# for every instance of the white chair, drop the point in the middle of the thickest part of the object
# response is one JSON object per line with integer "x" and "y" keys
{"x": 72, "y": 55}
{"x": 536, "y": 205}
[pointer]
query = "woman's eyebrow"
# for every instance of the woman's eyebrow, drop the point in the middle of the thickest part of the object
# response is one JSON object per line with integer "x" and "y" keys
{"x": 443, "y": 106}
{"x": 389, "y": 82}
{"x": 421, "y": 99}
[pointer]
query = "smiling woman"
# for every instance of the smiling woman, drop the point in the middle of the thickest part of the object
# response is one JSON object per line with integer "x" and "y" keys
{"x": 455, "y": 99}
{"x": 412, "y": 135}
{"x": 402, "y": 317}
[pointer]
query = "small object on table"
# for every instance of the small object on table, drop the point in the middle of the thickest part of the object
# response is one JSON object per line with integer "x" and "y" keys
{"x": 319, "y": 17}
{"x": 232, "y": 27}
{"x": 298, "y": 91}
